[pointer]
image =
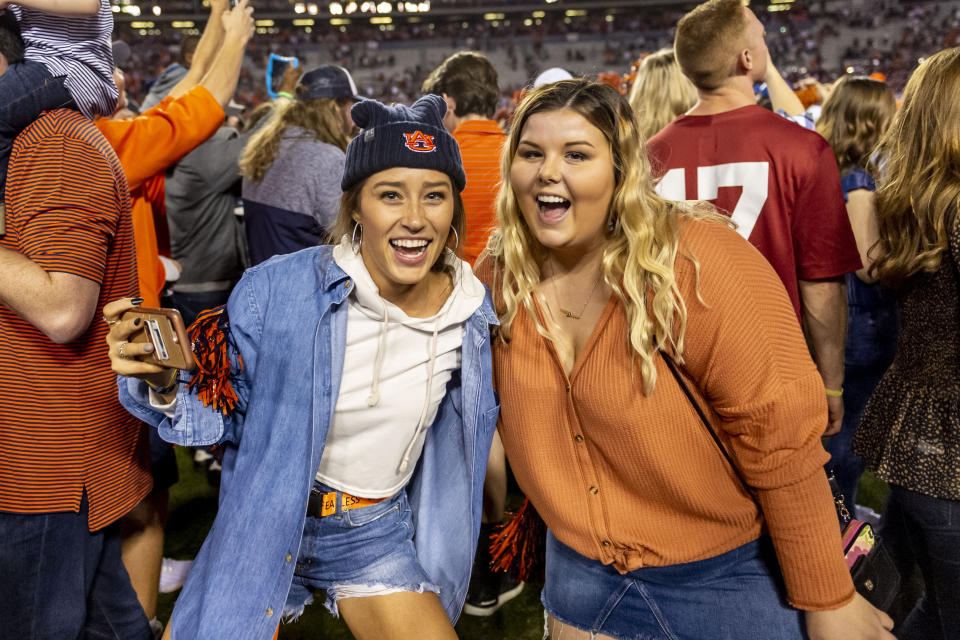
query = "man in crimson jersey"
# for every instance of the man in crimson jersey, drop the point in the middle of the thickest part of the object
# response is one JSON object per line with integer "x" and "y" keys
{"x": 778, "y": 181}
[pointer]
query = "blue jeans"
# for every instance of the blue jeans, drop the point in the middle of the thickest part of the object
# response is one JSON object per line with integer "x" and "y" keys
{"x": 61, "y": 581}
{"x": 26, "y": 90}
{"x": 919, "y": 529}
{"x": 366, "y": 547}
{"x": 871, "y": 344}
{"x": 738, "y": 595}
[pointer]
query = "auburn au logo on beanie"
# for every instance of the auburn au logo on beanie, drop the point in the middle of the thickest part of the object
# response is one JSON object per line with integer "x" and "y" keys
{"x": 401, "y": 136}
{"x": 419, "y": 141}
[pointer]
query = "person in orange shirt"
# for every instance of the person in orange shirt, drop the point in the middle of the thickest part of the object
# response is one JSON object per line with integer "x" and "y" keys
{"x": 468, "y": 83}
{"x": 631, "y": 327}
{"x": 147, "y": 145}
{"x": 150, "y": 143}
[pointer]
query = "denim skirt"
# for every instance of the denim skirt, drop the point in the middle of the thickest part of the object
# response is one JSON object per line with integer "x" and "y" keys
{"x": 358, "y": 552}
{"x": 738, "y": 595}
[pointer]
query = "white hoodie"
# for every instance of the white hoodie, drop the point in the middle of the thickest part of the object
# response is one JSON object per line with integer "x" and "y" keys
{"x": 395, "y": 373}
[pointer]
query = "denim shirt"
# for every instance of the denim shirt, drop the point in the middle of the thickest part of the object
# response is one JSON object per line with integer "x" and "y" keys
{"x": 288, "y": 319}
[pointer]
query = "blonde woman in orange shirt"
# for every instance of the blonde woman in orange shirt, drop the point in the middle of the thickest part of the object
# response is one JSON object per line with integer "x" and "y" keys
{"x": 651, "y": 534}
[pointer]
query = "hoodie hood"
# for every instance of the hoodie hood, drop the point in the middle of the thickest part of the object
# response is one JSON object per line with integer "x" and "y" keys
{"x": 467, "y": 295}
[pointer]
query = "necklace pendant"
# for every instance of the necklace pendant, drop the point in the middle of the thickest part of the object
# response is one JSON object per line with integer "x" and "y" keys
{"x": 569, "y": 314}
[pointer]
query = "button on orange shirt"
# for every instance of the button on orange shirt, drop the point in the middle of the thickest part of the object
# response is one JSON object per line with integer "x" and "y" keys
{"x": 147, "y": 145}
{"x": 481, "y": 142}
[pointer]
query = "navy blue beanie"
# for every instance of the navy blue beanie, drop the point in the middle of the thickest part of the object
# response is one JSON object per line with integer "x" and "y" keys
{"x": 401, "y": 136}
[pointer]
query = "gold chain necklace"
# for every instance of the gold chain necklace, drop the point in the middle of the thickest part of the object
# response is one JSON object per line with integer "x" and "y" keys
{"x": 566, "y": 312}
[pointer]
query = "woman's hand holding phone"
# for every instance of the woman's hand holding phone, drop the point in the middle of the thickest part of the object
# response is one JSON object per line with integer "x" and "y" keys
{"x": 124, "y": 353}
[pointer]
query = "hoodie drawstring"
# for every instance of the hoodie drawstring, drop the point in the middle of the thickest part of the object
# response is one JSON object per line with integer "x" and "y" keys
{"x": 405, "y": 461}
{"x": 374, "y": 398}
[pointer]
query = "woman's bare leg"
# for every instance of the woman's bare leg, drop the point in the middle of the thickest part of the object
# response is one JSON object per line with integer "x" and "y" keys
{"x": 559, "y": 631}
{"x": 397, "y": 616}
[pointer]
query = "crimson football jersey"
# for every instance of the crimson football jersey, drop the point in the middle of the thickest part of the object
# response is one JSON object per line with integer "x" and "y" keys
{"x": 778, "y": 181}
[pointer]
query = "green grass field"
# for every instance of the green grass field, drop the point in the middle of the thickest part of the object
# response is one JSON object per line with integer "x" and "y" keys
{"x": 193, "y": 505}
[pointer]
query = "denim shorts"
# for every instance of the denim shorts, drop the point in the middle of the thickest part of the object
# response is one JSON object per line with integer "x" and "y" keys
{"x": 737, "y": 595}
{"x": 360, "y": 552}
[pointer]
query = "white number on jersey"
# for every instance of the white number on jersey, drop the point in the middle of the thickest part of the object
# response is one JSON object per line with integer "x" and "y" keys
{"x": 752, "y": 177}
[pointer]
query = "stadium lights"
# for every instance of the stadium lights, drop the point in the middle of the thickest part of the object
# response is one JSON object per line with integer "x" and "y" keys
{"x": 368, "y": 7}
{"x": 336, "y": 9}
{"x": 299, "y": 8}
{"x": 384, "y": 7}
{"x": 351, "y": 7}
{"x": 156, "y": 10}
{"x": 312, "y": 9}
{"x": 132, "y": 9}
{"x": 115, "y": 8}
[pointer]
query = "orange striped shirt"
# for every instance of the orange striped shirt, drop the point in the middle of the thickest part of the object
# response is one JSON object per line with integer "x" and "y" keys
{"x": 480, "y": 144}
{"x": 62, "y": 430}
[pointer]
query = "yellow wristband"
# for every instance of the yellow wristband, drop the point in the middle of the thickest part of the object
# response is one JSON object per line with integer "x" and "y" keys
{"x": 834, "y": 393}
{"x": 167, "y": 388}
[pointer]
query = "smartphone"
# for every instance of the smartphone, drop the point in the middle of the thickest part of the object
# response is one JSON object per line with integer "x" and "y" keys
{"x": 164, "y": 329}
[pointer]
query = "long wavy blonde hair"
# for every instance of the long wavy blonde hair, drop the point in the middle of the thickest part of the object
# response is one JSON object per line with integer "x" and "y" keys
{"x": 641, "y": 237}
{"x": 918, "y": 192}
{"x": 321, "y": 117}
{"x": 660, "y": 93}
{"x": 858, "y": 111}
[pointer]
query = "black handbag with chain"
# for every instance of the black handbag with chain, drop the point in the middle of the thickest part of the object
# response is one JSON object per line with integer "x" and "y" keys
{"x": 874, "y": 573}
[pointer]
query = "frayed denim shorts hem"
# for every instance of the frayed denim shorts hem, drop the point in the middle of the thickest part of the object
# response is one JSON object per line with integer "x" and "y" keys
{"x": 357, "y": 553}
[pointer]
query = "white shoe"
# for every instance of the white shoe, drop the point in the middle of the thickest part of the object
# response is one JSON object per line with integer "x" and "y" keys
{"x": 173, "y": 573}
{"x": 201, "y": 458}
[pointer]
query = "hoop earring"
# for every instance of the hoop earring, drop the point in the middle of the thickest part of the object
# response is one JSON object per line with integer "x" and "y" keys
{"x": 457, "y": 236}
{"x": 353, "y": 238}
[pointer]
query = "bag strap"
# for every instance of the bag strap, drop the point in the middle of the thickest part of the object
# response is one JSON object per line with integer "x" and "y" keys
{"x": 675, "y": 370}
{"x": 843, "y": 514}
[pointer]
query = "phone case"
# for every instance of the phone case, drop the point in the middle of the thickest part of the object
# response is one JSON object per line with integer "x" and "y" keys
{"x": 164, "y": 329}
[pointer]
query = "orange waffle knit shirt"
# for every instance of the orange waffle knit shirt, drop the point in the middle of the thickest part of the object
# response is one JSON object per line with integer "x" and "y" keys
{"x": 634, "y": 480}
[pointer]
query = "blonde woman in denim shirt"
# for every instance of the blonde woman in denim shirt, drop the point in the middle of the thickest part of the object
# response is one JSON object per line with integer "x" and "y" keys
{"x": 355, "y": 449}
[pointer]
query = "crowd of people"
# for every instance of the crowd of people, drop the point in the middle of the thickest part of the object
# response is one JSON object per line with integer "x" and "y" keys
{"x": 690, "y": 306}
{"x": 802, "y": 40}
